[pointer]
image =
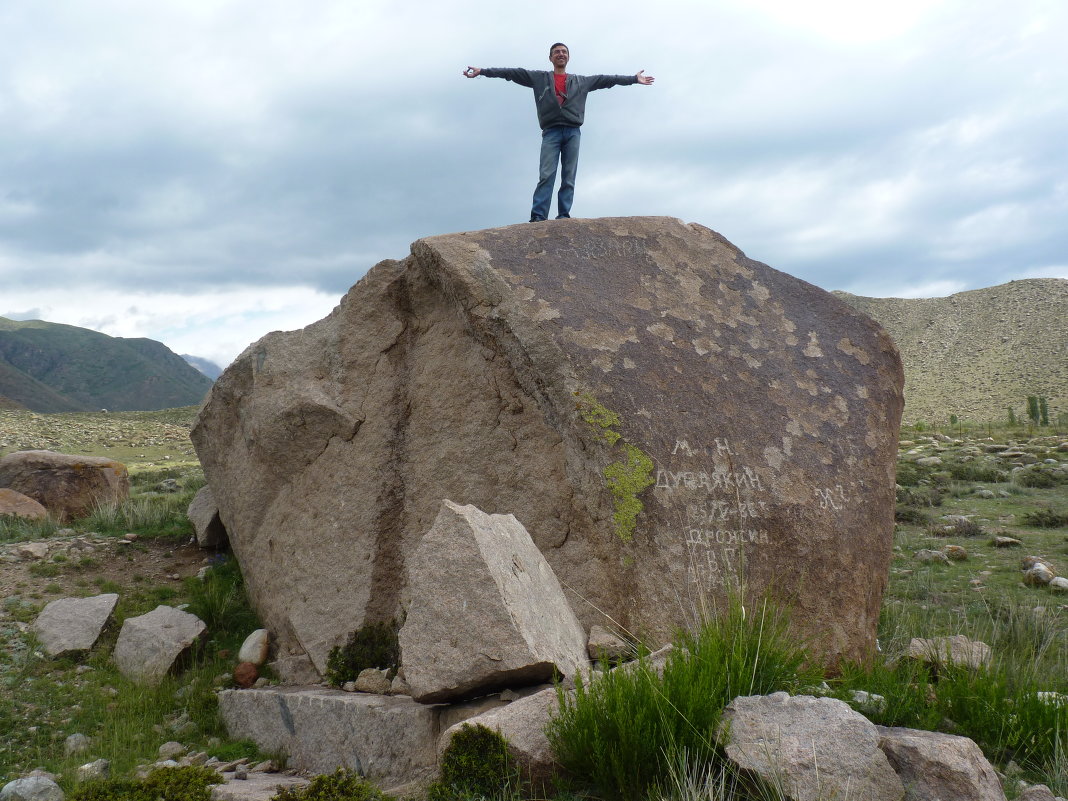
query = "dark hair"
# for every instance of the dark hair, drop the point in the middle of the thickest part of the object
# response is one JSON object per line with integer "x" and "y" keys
{"x": 559, "y": 44}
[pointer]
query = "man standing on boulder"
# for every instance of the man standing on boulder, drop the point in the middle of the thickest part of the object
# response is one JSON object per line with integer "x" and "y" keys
{"x": 561, "y": 101}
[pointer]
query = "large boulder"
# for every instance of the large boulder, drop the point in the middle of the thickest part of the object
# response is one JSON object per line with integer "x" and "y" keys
{"x": 149, "y": 645}
{"x": 936, "y": 765}
{"x": 69, "y": 625}
{"x": 15, "y": 504}
{"x": 67, "y": 486}
{"x": 487, "y": 612}
{"x": 667, "y": 418}
{"x": 809, "y": 749}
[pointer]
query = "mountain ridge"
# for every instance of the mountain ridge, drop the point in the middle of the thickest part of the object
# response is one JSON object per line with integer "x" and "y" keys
{"x": 54, "y": 367}
{"x": 977, "y": 353}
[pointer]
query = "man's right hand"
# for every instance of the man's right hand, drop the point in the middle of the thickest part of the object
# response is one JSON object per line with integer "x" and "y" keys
{"x": 472, "y": 72}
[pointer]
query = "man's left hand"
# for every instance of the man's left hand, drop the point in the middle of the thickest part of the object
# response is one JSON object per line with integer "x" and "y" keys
{"x": 644, "y": 79}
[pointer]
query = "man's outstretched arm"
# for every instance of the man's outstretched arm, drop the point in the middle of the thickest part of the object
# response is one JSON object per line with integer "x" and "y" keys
{"x": 515, "y": 74}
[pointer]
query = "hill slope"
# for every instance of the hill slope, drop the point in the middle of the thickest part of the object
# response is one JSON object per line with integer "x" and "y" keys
{"x": 49, "y": 367}
{"x": 977, "y": 353}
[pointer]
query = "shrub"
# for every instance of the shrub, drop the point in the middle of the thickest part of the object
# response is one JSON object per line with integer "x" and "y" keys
{"x": 162, "y": 784}
{"x": 220, "y": 601}
{"x": 1036, "y": 478}
{"x": 372, "y": 646}
{"x": 911, "y": 515}
{"x": 341, "y": 785}
{"x": 618, "y": 730}
{"x": 1046, "y": 518}
{"x": 976, "y": 472}
{"x": 475, "y": 764}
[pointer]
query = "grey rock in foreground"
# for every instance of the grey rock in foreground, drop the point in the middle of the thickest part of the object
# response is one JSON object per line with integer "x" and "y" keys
{"x": 469, "y": 371}
{"x": 68, "y": 625}
{"x": 32, "y": 788}
{"x": 811, "y": 749}
{"x": 203, "y": 513}
{"x": 391, "y": 740}
{"x": 935, "y": 765}
{"x": 150, "y": 644}
{"x": 487, "y": 611}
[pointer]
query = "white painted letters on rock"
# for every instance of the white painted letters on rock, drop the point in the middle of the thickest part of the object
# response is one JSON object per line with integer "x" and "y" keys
{"x": 487, "y": 612}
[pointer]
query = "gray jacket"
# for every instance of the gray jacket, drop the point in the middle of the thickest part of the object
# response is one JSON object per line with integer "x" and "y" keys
{"x": 550, "y": 111}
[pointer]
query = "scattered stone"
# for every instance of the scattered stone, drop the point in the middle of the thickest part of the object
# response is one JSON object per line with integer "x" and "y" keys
{"x": 933, "y": 765}
{"x": 67, "y": 486}
{"x": 97, "y": 769}
{"x": 130, "y": 536}
{"x": 487, "y": 611}
{"x": 149, "y": 645}
{"x": 349, "y": 687}
{"x": 868, "y": 702}
{"x": 170, "y": 750}
{"x": 32, "y": 788}
{"x": 169, "y": 485}
{"x": 75, "y": 744}
{"x": 1030, "y": 561}
{"x": 241, "y": 773}
{"x": 929, "y": 461}
{"x": 606, "y": 645}
{"x": 373, "y": 680}
{"x": 245, "y": 675}
{"x": 985, "y": 493}
{"x": 955, "y": 552}
{"x": 254, "y": 648}
{"x": 203, "y": 513}
{"x": 69, "y": 625}
{"x": 955, "y": 650}
{"x": 18, "y": 505}
{"x": 489, "y": 335}
{"x": 1037, "y": 792}
{"x": 813, "y": 748}
{"x": 1058, "y": 584}
{"x": 399, "y": 687}
{"x": 1006, "y": 542}
{"x": 928, "y": 556}
{"x": 1038, "y": 575}
{"x": 32, "y": 550}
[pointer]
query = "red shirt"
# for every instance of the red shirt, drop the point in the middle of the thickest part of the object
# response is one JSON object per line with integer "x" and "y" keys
{"x": 561, "y": 83}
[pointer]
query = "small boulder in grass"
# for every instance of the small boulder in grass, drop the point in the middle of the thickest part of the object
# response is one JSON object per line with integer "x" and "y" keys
{"x": 245, "y": 675}
{"x": 1038, "y": 575}
{"x": 1006, "y": 542}
{"x": 1030, "y": 561}
{"x": 955, "y": 552}
{"x": 1059, "y": 584}
{"x": 927, "y": 556}
{"x": 255, "y": 647}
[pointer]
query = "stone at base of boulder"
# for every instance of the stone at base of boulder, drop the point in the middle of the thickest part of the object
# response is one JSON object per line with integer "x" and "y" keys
{"x": 257, "y": 787}
{"x": 296, "y": 670}
{"x": 936, "y": 765}
{"x": 392, "y": 740}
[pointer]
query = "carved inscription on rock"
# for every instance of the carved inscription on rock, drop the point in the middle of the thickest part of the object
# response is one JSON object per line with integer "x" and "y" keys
{"x": 718, "y": 508}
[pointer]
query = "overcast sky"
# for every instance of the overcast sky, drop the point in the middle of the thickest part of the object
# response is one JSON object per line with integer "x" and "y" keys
{"x": 202, "y": 172}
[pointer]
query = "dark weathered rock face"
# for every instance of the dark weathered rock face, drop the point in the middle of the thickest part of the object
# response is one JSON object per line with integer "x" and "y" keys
{"x": 758, "y": 417}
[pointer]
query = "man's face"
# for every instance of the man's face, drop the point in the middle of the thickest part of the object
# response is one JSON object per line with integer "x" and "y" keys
{"x": 559, "y": 56}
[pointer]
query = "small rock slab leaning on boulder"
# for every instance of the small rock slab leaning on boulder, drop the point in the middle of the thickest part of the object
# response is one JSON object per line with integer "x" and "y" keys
{"x": 150, "y": 644}
{"x": 487, "y": 611}
{"x": 67, "y": 486}
{"x": 203, "y": 513}
{"x": 73, "y": 624}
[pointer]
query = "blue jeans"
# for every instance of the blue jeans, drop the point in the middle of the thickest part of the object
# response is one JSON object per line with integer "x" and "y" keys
{"x": 559, "y": 143}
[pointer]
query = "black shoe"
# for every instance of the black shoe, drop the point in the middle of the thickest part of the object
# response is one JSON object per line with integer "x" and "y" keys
{"x": 536, "y": 219}
{"x": 563, "y": 216}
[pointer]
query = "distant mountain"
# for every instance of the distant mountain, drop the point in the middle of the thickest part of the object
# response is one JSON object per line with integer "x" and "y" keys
{"x": 978, "y": 353}
{"x": 49, "y": 367}
{"x": 206, "y": 366}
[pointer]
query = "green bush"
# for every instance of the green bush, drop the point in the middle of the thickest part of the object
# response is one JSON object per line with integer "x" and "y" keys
{"x": 618, "y": 731}
{"x": 969, "y": 471}
{"x": 1045, "y": 518}
{"x": 372, "y": 646}
{"x": 909, "y": 474}
{"x": 341, "y": 785}
{"x": 162, "y": 784}
{"x": 911, "y": 515}
{"x": 1036, "y": 478}
{"x": 221, "y": 602}
{"x": 475, "y": 764}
